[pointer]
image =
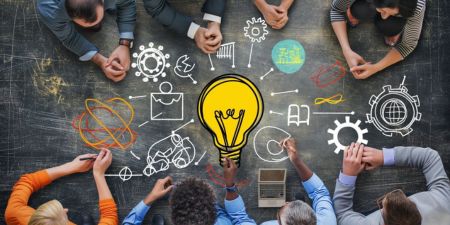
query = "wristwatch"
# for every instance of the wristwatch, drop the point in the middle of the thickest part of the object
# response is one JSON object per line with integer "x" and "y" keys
{"x": 232, "y": 188}
{"x": 126, "y": 42}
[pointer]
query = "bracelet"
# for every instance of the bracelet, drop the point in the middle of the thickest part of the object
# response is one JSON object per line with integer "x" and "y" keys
{"x": 232, "y": 188}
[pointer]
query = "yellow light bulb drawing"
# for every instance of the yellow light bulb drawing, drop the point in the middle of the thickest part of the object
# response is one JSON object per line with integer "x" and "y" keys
{"x": 229, "y": 107}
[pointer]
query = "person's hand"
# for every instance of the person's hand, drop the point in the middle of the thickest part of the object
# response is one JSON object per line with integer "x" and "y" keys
{"x": 284, "y": 17}
{"x": 78, "y": 166}
{"x": 102, "y": 162}
{"x": 213, "y": 36}
{"x": 122, "y": 55}
{"x": 372, "y": 157}
{"x": 291, "y": 148}
{"x": 160, "y": 189}
{"x": 352, "y": 163}
{"x": 113, "y": 71}
{"x": 201, "y": 41}
{"x": 353, "y": 59}
{"x": 229, "y": 171}
{"x": 364, "y": 71}
{"x": 271, "y": 13}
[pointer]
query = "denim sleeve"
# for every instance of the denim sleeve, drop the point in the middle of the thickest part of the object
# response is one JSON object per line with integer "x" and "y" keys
{"x": 137, "y": 215}
{"x": 322, "y": 203}
{"x": 236, "y": 210}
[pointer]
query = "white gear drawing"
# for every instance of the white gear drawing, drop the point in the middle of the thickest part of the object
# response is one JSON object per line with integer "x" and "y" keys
{"x": 151, "y": 62}
{"x": 256, "y": 30}
{"x": 389, "y": 110}
{"x": 346, "y": 124}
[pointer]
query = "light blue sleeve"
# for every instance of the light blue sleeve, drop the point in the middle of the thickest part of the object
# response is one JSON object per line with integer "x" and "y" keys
{"x": 271, "y": 222}
{"x": 236, "y": 210}
{"x": 137, "y": 215}
{"x": 322, "y": 204}
{"x": 222, "y": 216}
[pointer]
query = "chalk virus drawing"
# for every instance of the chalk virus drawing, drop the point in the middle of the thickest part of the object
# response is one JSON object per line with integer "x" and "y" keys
{"x": 269, "y": 136}
{"x": 184, "y": 67}
{"x": 219, "y": 180}
{"x": 226, "y": 51}
{"x": 294, "y": 112}
{"x": 394, "y": 110}
{"x": 124, "y": 174}
{"x": 172, "y": 150}
{"x": 347, "y": 124}
{"x": 165, "y": 104}
{"x": 151, "y": 62}
{"x": 105, "y": 124}
{"x": 256, "y": 31}
{"x": 333, "y": 100}
{"x": 328, "y": 75}
{"x": 230, "y": 107}
{"x": 288, "y": 56}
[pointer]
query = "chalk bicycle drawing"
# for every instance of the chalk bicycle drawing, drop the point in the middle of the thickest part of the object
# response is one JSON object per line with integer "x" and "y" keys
{"x": 226, "y": 51}
{"x": 394, "y": 110}
{"x": 270, "y": 155}
{"x": 346, "y": 124}
{"x": 172, "y": 150}
{"x": 256, "y": 31}
{"x": 184, "y": 67}
{"x": 151, "y": 62}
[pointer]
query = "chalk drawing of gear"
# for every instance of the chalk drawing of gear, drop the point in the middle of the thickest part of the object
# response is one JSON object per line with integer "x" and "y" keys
{"x": 394, "y": 110}
{"x": 151, "y": 62}
{"x": 256, "y": 30}
{"x": 347, "y": 124}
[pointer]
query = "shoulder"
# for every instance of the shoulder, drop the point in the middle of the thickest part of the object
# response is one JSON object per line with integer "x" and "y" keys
{"x": 51, "y": 9}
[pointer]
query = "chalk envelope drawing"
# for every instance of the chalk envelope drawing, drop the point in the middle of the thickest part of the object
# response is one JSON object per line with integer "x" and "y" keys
{"x": 230, "y": 107}
{"x": 269, "y": 137}
{"x": 347, "y": 124}
{"x": 165, "y": 104}
{"x": 226, "y": 51}
{"x": 172, "y": 150}
{"x": 394, "y": 110}
{"x": 294, "y": 115}
{"x": 184, "y": 67}
{"x": 151, "y": 62}
{"x": 256, "y": 31}
{"x": 288, "y": 56}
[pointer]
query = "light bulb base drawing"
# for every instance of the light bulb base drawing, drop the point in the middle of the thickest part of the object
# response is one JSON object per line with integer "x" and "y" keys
{"x": 233, "y": 155}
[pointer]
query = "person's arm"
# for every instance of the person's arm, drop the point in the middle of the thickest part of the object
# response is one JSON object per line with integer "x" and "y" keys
{"x": 17, "y": 210}
{"x": 234, "y": 205}
{"x": 345, "y": 186}
{"x": 317, "y": 192}
{"x": 59, "y": 23}
{"x": 161, "y": 188}
{"x": 107, "y": 206}
{"x": 126, "y": 18}
{"x": 170, "y": 18}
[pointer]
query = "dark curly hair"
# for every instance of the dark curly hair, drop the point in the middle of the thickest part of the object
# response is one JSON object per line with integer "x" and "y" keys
{"x": 192, "y": 203}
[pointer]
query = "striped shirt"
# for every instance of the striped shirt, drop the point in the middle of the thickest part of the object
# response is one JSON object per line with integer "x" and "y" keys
{"x": 411, "y": 31}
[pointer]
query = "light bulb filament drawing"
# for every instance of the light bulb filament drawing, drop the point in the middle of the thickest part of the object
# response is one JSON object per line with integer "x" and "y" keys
{"x": 222, "y": 120}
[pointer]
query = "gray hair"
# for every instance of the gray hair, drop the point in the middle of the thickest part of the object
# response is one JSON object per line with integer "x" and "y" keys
{"x": 297, "y": 213}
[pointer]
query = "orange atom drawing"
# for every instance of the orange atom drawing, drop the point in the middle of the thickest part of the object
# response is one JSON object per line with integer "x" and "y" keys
{"x": 103, "y": 124}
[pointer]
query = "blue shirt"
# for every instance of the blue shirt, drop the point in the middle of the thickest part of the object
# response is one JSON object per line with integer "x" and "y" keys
{"x": 233, "y": 214}
{"x": 321, "y": 202}
{"x": 54, "y": 15}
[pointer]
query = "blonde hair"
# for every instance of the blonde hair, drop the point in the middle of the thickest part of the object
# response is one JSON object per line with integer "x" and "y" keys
{"x": 49, "y": 213}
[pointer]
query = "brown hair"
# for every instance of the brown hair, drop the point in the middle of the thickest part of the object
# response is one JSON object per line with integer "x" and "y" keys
{"x": 400, "y": 210}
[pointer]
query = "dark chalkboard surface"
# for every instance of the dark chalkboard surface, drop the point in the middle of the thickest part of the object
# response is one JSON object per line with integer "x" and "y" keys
{"x": 43, "y": 88}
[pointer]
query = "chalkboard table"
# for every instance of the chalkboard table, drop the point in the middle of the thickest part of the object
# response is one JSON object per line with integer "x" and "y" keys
{"x": 43, "y": 89}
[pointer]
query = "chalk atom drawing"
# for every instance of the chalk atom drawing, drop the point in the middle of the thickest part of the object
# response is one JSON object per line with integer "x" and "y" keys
{"x": 288, "y": 56}
{"x": 172, "y": 150}
{"x": 165, "y": 104}
{"x": 294, "y": 112}
{"x": 226, "y": 51}
{"x": 394, "y": 110}
{"x": 151, "y": 62}
{"x": 184, "y": 67}
{"x": 270, "y": 137}
{"x": 256, "y": 31}
{"x": 346, "y": 124}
